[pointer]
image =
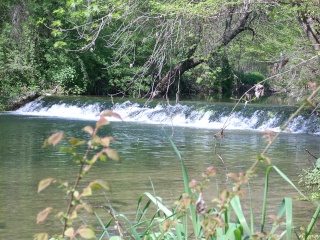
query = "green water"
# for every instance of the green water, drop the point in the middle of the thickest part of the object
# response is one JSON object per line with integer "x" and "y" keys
{"x": 146, "y": 157}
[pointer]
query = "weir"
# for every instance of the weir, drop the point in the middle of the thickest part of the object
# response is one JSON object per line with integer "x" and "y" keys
{"x": 186, "y": 114}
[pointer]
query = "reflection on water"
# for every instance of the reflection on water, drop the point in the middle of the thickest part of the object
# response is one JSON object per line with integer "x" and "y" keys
{"x": 147, "y": 160}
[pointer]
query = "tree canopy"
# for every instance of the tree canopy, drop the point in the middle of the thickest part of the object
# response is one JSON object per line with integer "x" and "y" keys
{"x": 155, "y": 48}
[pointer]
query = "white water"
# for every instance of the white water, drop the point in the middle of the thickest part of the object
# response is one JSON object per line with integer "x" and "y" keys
{"x": 178, "y": 115}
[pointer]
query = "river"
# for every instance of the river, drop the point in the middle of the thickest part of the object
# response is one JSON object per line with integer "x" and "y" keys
{"x": 148, "y": 162}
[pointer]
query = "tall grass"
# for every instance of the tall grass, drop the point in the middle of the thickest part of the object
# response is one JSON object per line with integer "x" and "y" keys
{"x": 191, "y": 218}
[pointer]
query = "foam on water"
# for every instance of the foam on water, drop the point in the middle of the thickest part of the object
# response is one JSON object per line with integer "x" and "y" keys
{"x": 208, "y": 116}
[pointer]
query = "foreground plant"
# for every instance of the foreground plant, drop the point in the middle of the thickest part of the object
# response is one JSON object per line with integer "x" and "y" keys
{"x": 223, "y": 218}
{"x": 98, "y": 149}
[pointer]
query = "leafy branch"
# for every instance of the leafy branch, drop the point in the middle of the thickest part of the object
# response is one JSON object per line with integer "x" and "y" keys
{"x": 100, "y": 146}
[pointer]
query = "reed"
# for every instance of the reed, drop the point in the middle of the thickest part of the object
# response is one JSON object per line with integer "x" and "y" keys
{"x": 190, "y": 217}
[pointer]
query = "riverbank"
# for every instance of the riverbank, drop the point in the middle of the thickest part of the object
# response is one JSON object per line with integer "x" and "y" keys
{"x": 14, "y": 104}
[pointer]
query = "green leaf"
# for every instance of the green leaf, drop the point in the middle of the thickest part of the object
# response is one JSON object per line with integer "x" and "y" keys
{"x": 312, "y": 222}
{"x": 59, "y": 44}
{"x": 67, "y": 150}
{"x": 99, "y": 184}
{"x": 236, "y": 205}
{"x": 75, "y": 142}
{"x": 57, "y": 23}
{"x": 102, "y": 157}
{"x": 115, "y": 238}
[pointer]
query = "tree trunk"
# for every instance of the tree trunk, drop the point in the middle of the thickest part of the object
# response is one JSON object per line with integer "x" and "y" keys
{"x": 174, "y": 74}
{"x": 307, "y": 23}
{"x": 231, "y": 31}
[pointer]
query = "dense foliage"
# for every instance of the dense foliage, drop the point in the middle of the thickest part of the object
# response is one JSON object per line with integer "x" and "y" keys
{"x": 155, "y": 48}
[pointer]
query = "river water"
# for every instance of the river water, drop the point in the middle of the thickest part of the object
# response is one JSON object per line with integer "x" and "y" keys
{"x": 148, "y": 163}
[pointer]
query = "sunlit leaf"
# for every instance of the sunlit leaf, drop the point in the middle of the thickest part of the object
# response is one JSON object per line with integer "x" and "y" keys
{"x": 59, "y": 44}
{"x": 109, "y": 113}
{"x": 115, "y": 238}
{"x": 86, "y": 232}
{"x": 54, "y": 139}
{"x": 74, "y": 215}
{"x": 102, "y": 121}
{"x": 67, "y": 150}
{"x": 43, "y": 214}
{"x": 88, "y": 129}
{"x": 41, "y": 236}
{"x": 86, "y": 192}
{"x": 45, "y": 183}
{"x": 103, "y": 158}
{"x": 76, "y": 142}
{"x": 106, "y": 141}
{"x": 99, "y": 184}
{"x": 113, "y": 154}
{"x": 95, "y": 140}
{"x": 76, "y": 194}
{"x": 69, "y": 232}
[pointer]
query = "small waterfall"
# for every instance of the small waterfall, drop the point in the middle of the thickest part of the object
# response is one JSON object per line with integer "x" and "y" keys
{"x": 198, "y": 115}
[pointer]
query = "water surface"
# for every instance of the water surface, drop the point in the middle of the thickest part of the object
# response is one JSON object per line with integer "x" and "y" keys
{"x": 148, "y": 164}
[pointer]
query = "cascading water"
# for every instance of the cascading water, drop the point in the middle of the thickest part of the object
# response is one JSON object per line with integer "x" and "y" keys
{"x": 199, "y": 115}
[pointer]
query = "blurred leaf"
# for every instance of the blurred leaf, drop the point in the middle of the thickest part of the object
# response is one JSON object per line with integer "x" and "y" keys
{"x": 67, "y": 150}
{"x": 109, "y": 113}
{"x": 115, "y": 238}
{"x": 103, "y": 158}
{"x": 106, "y": 141}
{"x": 57, "y": 23}
{"x": 43, "y": 214}
{"x": 86, "y": 168}
{"x": 88, "y": 207}
{"x": 74, "y": 214}
{"x": 102, "y": 121}
{"x": 99, "y": 184}
{"x": 88, "y": 129}
{"x": 69, "y": 232}
{"x": 86, "y": 232}
{"x": 41, "y": 236}
{"x": 76, "y": 142}
{"x": 113, "y": 154}
{"x": 76, "y": 194}
{"x": 94, "y": 158}
{"x": 86, "y": 192}
{"x": 54, "y": 139}
{"x": 59, "y": 44}
{"x": 45, "y": 183}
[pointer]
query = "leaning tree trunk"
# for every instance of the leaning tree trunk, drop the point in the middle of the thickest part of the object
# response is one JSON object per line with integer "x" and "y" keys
{"x": 307, "y": 22}
{"x": 231, "y": 31}
{"x": 173, "y": 74}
